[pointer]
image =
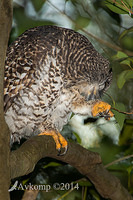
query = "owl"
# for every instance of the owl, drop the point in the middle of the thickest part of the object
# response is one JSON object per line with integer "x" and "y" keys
{"x": 50, "y": 73}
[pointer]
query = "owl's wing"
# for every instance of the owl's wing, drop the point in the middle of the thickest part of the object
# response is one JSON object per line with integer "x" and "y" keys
{"x": 23, "y": 56}
{"x": 19, "y": 68}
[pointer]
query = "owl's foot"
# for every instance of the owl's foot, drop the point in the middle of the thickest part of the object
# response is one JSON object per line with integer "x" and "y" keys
{"x": 59, "y": 141}
{"x": 102, "y": 109}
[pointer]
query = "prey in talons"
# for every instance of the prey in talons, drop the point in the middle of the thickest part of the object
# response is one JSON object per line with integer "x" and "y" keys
{"x": 102, "y": 109}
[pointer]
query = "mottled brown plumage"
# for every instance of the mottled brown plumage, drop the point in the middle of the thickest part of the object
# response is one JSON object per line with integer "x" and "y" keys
{"x": 51, "y": 72}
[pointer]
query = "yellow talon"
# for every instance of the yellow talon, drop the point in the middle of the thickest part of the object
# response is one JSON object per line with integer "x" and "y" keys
{"x": 59, "y": 140}
{"x": 103, "y": 109}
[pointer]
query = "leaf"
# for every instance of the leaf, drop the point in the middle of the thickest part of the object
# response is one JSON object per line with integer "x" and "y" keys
{"x": 52, "y": 164}
{"x": 123, "y": 58}
{"x": 117, "y": 7}
{"x": 126, "y": 39}
{"x": 81, "y": 22}
{"x": 120, "y": 54}
{"x": 25, "y": 181}
{"x": 38, "y": 4}
{"x": 127, "y": 134}
{"x": 125, "y": 32}
{"x": 77, "y": 137}
{"x": 119, "y": 116}
{"x": 84, "y": 183}
{"x": 130, "y": 172}
{"x": 126, "y": 62}
{"x": 123, "y": 77}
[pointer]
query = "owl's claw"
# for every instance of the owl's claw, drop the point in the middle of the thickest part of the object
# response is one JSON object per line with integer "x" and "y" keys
{"x": 63, "y": 144}
{"x": 102, "y": 109}
{"x": 59, "y": 141}
{"x": 65, "y": 150}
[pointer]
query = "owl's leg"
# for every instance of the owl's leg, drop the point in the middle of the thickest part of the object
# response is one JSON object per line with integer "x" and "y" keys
{"x": 59, "y": 140}
{"x": 92, "y": 108}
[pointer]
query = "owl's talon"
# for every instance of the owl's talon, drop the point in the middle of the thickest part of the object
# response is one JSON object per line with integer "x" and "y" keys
{"x": 59, "y": 152}
{"x": 102, "y": 109}
{"x": 65, "y": 150}
{"x": 59, "y": 141}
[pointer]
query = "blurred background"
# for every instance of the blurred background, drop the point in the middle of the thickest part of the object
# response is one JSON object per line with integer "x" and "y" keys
{"x": 108, "y": 24}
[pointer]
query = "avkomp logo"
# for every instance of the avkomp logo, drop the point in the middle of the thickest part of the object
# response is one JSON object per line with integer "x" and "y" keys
{"x": 14, "y": 187}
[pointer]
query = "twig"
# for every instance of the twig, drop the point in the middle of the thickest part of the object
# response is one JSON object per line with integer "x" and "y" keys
{"x": 125, "y": 113}
{"x": 118, "y": 160}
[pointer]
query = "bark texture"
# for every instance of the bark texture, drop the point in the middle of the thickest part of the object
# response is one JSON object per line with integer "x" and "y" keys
{"x": 5, "y": 27}
{"x": 23, "y": 160}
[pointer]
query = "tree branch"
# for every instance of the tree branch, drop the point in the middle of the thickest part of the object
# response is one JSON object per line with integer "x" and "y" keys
{"x": 5, "y": 27}
{"x": 23, "y": 160}
{"x": 30, "y": 195}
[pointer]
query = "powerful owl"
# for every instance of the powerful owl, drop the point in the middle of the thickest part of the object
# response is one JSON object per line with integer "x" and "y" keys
{"x": 50, "y": 73}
